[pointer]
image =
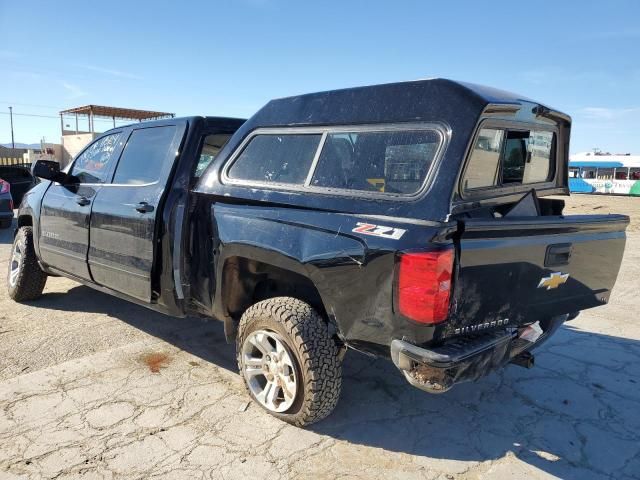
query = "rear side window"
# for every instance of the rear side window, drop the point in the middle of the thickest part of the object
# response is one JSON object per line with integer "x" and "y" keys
{"x": 510, "y": 157}
{"x": 145, "y": 156}
{"x": 276, "y": 159}
{"x": 389, "y": 162}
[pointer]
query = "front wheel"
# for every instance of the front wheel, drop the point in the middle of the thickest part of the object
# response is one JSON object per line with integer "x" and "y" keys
{"x": 289, "y": 361}
{"x": 25, "y": 278}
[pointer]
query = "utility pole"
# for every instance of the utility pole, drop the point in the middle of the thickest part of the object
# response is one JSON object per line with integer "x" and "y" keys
{"x": 13, "y": 145}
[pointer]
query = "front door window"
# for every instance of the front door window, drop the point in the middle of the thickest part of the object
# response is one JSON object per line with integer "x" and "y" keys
{"x": 91, "y": 166}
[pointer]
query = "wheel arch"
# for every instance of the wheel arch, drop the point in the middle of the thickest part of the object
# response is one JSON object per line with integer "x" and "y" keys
{"x": 245, "y": 280}
{"x": 25, "y": 220}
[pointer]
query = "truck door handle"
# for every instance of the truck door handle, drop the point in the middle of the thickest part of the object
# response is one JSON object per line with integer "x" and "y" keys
{"x": 83, "y": 201}
{"x": 557, "y": 255}
{"x": 144, "y": 207}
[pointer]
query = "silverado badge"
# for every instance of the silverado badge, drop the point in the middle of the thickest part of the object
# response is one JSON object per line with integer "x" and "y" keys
{"x": 554, "y": 280}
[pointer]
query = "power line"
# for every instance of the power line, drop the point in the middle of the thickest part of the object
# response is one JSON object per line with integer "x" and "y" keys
{"x": 29, "y": 115}
{"x": 54, "y": 116}
{"x": 30, "y": 105}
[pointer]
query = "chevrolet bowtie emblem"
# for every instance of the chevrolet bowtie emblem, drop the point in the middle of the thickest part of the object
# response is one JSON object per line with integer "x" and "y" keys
{"x": 554, "y": 280}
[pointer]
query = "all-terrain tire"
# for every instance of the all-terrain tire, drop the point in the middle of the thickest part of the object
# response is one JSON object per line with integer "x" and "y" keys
{"x": 308, "y": 337}
{"x": 29, "y": 280}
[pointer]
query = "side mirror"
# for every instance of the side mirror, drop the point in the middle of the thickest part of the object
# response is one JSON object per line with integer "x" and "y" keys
{"x": 48, "y": 170}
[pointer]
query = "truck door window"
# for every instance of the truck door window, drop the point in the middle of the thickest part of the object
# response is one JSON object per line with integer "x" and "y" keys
{"x": 211, "y": 145}
{"x": 276, "y": 158}
{"x": 145, "y": 156}
{"x": 389, "y": 161}
{"x": 91, "y": 166}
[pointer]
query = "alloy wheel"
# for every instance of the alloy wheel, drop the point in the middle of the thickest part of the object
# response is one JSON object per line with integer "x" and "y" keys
{"x": 267, "y": 366}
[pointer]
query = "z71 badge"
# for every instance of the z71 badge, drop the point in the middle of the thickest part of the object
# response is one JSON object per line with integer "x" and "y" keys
{"x": 379, "y": 230}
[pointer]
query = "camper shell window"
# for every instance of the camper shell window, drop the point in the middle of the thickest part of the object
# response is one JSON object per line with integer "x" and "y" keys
{"x": 381, "y": 160}
{"x": 507, "y": 157}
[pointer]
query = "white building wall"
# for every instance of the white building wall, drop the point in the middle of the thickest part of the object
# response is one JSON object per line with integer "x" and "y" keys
{"x": 72, "y": 144}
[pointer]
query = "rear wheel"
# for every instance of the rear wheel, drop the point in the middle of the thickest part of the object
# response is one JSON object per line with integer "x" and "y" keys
{"x": 25, "y": 278}
{"x": 289, "y": 361}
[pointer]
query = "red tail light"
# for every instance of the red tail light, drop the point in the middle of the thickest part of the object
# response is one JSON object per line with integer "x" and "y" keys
{"x": 4, "y": 186}
{"x": 424, "y": 285}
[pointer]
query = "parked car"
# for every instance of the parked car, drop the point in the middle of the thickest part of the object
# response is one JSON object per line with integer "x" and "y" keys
{"x": 20, "y": 179}
{"x": 408, "y": 221}
{"x": 6, "y": 204}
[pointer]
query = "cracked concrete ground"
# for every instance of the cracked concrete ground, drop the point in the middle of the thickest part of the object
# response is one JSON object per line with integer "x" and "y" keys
{"x": 79, "y": 399}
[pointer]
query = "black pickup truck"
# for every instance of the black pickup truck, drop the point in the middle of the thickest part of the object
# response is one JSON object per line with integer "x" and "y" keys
{"x": 409, "y": 220}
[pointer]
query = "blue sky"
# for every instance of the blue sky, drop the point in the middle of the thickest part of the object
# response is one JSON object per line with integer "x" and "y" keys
{"x": 230, "y": 57}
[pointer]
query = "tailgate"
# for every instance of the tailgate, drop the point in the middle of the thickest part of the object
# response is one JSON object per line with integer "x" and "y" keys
{"x": 515, "y": 270}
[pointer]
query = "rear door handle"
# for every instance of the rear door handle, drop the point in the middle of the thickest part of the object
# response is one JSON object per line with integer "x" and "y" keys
{"x": 557, "y": 255}
{"x": 144, "y": 207}
{"x": 83, "y": 201}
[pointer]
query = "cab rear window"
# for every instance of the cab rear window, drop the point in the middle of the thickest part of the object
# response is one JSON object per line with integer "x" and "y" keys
{"x": 503, "y": 157}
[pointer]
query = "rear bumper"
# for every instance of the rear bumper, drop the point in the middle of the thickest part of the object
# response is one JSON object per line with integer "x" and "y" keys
{"x": 438, "y": 369}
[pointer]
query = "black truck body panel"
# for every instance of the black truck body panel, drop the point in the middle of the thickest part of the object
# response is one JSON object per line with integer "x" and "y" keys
{"x": 354, "y": 274}
{"x": 512, "y": 255}
{"x": 212, "y": 248}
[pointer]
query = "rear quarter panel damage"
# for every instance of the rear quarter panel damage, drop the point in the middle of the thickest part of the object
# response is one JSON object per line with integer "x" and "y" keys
{"x": 352, "y": 271}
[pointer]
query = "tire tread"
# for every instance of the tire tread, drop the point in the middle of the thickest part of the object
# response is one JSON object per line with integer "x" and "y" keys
{"x": 317, "y": 350}
{"x": 31, "y": 279}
